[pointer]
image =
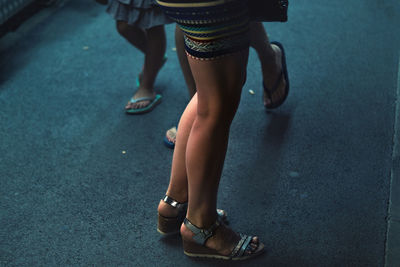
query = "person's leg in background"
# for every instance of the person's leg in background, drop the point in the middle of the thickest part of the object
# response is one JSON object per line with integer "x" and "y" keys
{"x": 270, "y": 57}
{"x": 152, "y": 43}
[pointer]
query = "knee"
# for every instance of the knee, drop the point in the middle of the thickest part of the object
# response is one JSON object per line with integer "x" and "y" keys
{"x": 218, "y": 113}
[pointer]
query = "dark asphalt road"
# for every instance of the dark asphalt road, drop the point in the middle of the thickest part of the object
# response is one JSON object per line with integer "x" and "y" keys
{"x": 312, "y": 179}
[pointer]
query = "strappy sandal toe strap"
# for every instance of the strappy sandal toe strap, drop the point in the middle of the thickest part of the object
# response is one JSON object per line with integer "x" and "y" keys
{"x": 197, "y": 248}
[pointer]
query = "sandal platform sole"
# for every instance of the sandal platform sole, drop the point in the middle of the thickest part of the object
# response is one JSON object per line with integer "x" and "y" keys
{"x": 192, "y": 249}
{"x": 169, "y": 226}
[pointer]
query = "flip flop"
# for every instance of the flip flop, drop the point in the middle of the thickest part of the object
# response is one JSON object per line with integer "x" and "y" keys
{"x": 137, "y": 81}
{"x": 154, "y": 101}
{"x": 284, "y": 74}
{"x": 167, "y": 142}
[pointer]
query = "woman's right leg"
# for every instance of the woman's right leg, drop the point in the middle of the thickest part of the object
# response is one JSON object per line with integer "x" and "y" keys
{"x": 201, "y": 146}
{"x": 178, "y": 185}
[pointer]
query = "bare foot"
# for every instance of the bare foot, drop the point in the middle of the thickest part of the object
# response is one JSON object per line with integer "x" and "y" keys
{"x": 141, "y": 92}
{"x": 171, "y": 135}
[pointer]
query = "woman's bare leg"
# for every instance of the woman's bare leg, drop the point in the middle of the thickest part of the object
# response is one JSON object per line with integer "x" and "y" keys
{"x": 219, "y": 85}
{"x": 178, "y": 185}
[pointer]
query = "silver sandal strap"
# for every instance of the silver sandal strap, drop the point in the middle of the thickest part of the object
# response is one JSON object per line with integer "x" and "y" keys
{"x": 174, "y": 203}
{"x": 201, "y": 235}
{"x": 241, "y": 246}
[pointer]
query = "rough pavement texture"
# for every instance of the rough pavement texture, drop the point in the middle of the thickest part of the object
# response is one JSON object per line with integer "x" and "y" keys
{"x": 311, "y": 179}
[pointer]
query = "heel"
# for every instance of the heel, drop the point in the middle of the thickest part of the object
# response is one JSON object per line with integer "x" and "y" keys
{"x": 169, "y": 225}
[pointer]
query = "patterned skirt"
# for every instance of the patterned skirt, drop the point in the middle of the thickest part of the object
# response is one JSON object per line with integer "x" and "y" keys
{"x": 212, "y": 28}
{"x": 144, "y": 14}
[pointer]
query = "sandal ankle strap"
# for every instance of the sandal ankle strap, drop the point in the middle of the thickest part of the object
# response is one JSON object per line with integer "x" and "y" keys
{"x": 201, "y": 235}
{"x": 172, "y": 202}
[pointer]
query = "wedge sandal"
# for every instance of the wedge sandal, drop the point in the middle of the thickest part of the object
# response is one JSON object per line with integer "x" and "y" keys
{"x": 197, "y": 248}
{"x": 171, "y": 225}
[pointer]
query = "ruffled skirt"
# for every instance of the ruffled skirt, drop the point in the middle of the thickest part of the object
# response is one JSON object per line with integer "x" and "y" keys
{"x": 144, "y": 14}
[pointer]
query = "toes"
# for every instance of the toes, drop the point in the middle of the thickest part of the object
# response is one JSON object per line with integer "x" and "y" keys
{"x": 171, "y": 135}
{"x": 128, "y": 105}
{"x": 138, "y": 105}
{"x": 252, "y": 247}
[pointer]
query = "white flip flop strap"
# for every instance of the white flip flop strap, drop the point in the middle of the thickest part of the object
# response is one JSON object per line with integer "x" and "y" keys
{"x": 141, "y": 99}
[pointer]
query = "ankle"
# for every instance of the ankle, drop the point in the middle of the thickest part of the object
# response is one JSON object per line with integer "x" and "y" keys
{"x": 203, "y": 221}
{"x": 186, "y": 233}
{"x": 178, "y": 194}
{"x": 145, "y": 89}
